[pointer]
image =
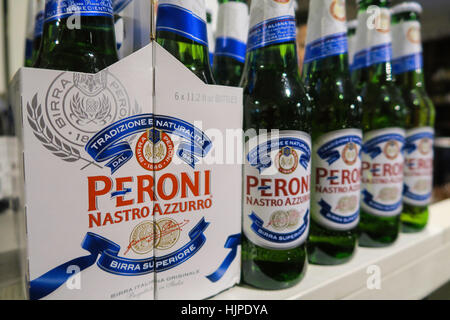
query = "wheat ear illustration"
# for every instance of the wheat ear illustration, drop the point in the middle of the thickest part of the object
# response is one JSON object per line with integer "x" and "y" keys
{"x": 50, "y": 141}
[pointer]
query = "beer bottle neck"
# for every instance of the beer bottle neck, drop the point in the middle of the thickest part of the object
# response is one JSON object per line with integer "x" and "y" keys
{"x": 360, "y": 61}
{"x": 276, "y": 63}
{"x": 232, "y": 31}
{"x": 407, "y": 50}
{"x": 381, "y": 73}
{"x": 271, "y": 45}
{"x": 326, "y": 53}
{"x": 379, "y": 46}
{"x": 81, "y": 41}
{"x": 281, "y": 58}
{"x": 182, "y": 31}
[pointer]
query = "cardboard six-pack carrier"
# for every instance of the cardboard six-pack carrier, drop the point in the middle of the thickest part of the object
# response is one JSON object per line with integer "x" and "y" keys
{"x": 125, "y": 194}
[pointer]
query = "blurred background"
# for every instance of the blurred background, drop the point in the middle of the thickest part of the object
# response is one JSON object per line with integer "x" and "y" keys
{"x": 16, "y": 21}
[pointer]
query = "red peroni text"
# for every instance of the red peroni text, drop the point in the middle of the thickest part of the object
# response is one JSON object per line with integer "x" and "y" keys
{"x": 128, "y": 191}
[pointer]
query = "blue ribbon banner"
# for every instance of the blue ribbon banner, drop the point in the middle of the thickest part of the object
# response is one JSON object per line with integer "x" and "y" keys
{"x": 328, "y": 46}
{"x": 232, "y": 48}
{"x": 109, "y": 261}
{"x": 186, "y": 252}
{"x": 371, "y": 147}
{"x": 277, "y": 30}
{"x": 410, "y": 145}
{"x": 108, "y": 144}
{"x": 328, "y": 214}
{"x": 328, "y": 151}
{"x": 361, "y": 60}
{"x": 368, "y": 200}
{"x": 414, "y": 196}
{"x": 259, "y": 157}
{"x": 183, "y": 22}
{"x": 232, "y": 243}
{"x": 258, "y": 227}
{"x": 380, "y": 54}
{"x": 407, "y": 63}
{"x": 58, "y": 9}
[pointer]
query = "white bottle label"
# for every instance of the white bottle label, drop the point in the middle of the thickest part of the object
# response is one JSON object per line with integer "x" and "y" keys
{"x": 360, "y": 58}
{"x": 382, "y": 171}
{"x": 232, "y": 30}
{"x": 327, "y": 30}
{"x": 196, "y": 7}
{"x": 185, "y": 18}
{"x": 407, "y": 47}
{"x": 277, "y": 175}
{"x": 271, "y": 22}
{"x": 351, "y": 49}
{"x": 336, "y": 178}
{"x": 418, "y": 166}
{"x": 374, "y": 41}
{"x": 380, "y": 39}
{"x": 58, "y": 9}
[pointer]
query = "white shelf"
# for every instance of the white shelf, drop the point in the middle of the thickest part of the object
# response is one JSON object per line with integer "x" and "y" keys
{"x": 415, "y": 266}
{"x": 412, "y": 268}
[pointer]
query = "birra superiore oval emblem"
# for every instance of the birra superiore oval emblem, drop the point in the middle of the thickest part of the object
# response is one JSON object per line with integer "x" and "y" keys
{"x": 170, "y": 233}
{"x": 79, "y": 105}
{"x": 144, "y": 237}
{"x": 154, "y": 150}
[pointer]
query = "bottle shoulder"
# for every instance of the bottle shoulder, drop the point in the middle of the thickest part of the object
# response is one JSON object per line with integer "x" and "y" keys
{"x": 194, "y": 56}
{"x": 71, "y": 61}
{"x": 279, "y": 105}
{"x": 420, "y": 106}
{"x": 383, "y": 107}
{"x": 89, "y": 49}
{"x": 227, "y": 71}
{"x": 335, "y": 104}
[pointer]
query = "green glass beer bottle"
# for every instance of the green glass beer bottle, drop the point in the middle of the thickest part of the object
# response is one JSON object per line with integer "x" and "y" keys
{"x": 231, "y": 42}
{"x": 277, "y": 165}
{"x": 384, "y": 119}
{"x": 181, "y": 30}
{"x": 360, "y": 59}
{"x": 78, "y": 36}
{"x": 336, "y": 136}
{"x": 407, "y": 66}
